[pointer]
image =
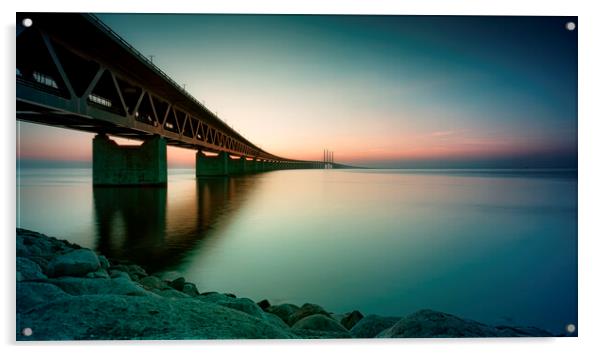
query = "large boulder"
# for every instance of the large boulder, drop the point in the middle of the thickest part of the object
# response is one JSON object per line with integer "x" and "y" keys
{"x": 433, "y": 324}
{"x": 178, "y": 283}
{"x": 104, "y": 262}
{"x": 351, "y": 318}
{"x": 32, "y": 294}
{"x": 371, "y": 325}
{"x": 98, "y": 286}
{"x": 320, "y": 326}
{"x": 101, "y": 273}
{"x": 213, "y": 296}
{"x": 74, "y": 263}
{"x": 507, "y": 331}
{"x": 42, "y": 262}
{"x": 264, "y": 304}
{"x": 168, "y": 275}
{"x": 171, "y": 293}
{"x": 311, "y": 334}
{"x": 274, "y": 320}
{"x": 152, "y": 282}
{"x": 134, "y": 271}
{"x": 319, "y": 323}
{"x": 245, "y": 305}
{"x": 31, "y": 244}
{"x": 306, "y": 310}
{"x": 119, "y": 274}
{"x": 128, "y": 317}
{"x": 190, "y": 289}
{"x": 28, "y": 270}
{"x": 284, "y": 311}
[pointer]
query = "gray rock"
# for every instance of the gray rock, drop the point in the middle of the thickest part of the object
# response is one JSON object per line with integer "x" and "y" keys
{"x": 28, "y": 270}
{"x": 30, "y": 244}
{"x": 434, "y": 324}
{"x": 274, "y": 320}
{"x": 99, "y": 286}
{"x": 101, "y": 273}
{"x": 311, "y": 334}
{"x": 41, "y": 261}
{"x": 264, "y": 304}
{"x": 507, "y": 331}
{"x": 32, "y": 294}
{"x": 76, "y": 263}
{"x": 351, "y": 319}
{"x": 171, "y": 293}
{"x": 320, "y": 323}
{"x": 168, "y": 276}
{"x": 213, "y": 297}
{"x": 134, "y": 271}
{"x": 207, "y": 293}
{"x": 178, "y": 283}
{"x": 284, "y": 311}
{"x": 371, "y": 325}
{"x": 104, "y": 262}
{"x": 245, "y": 305}
{"x": 306, "y": 310}
{"x": 119, "y": 274}
{"x": 104, "y": 317}
{"x": 152, "y": 282}
{"x": 337, "y": 316}
{"x": 190, "y": 289}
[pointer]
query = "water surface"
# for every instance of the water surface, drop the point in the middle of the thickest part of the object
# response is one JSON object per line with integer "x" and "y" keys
{"x": 495, "y": 246}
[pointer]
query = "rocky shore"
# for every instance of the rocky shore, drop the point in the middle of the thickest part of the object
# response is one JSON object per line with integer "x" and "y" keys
{"x": 66, "y": 292}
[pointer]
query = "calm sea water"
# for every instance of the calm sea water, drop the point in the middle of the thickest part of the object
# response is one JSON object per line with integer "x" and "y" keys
{"x": 498, "y": 247}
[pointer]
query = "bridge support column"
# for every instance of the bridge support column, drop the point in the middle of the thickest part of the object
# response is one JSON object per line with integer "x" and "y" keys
{"x": 255, "y": 165}
{"x": 211, "y": 165}
{"x": 237, "y": 166}
{"x": 114, "y": 165}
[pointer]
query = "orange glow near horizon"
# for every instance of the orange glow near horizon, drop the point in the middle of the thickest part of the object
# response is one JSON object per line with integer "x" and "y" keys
{"x": 63, "y": 144}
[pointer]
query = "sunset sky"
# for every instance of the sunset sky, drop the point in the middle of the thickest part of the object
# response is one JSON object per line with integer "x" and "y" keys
{"x": 380, "y": 91}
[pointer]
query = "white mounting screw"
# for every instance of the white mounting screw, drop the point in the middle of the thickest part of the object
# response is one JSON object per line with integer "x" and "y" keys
{"x": 571, "y": 26}
{"x": 570, "y": 328}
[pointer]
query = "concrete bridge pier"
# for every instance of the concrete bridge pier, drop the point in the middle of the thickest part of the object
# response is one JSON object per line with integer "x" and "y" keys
{"x": 258, "y": 165}
{"x": 115, "y": 165}
{"x": 251, "y": 166}
{"x": 212, "y": 165}
{"x": 237, "y": 166}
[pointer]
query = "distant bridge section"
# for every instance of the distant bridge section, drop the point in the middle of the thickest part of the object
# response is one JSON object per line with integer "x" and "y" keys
{"x": 75, "y": 72}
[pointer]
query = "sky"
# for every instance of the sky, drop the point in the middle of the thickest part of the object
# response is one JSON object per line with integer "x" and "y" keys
{"x": 379, "y": 91}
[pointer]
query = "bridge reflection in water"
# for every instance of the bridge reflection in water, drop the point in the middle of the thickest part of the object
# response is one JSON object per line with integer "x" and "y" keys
{"x": 145, "y": 227}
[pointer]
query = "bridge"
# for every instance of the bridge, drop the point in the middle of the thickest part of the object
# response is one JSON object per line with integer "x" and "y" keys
{"x": 74, "y": 72}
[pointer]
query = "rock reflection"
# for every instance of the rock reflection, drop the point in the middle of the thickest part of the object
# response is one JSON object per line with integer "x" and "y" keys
{"x": 157, "y": 227}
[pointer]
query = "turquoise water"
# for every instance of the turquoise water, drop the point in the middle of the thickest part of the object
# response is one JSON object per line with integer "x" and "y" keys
{"x": 494, "y": 246}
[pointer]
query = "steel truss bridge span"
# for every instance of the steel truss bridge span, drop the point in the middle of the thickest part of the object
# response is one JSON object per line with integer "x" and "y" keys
{"x": 74, "y": 72}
